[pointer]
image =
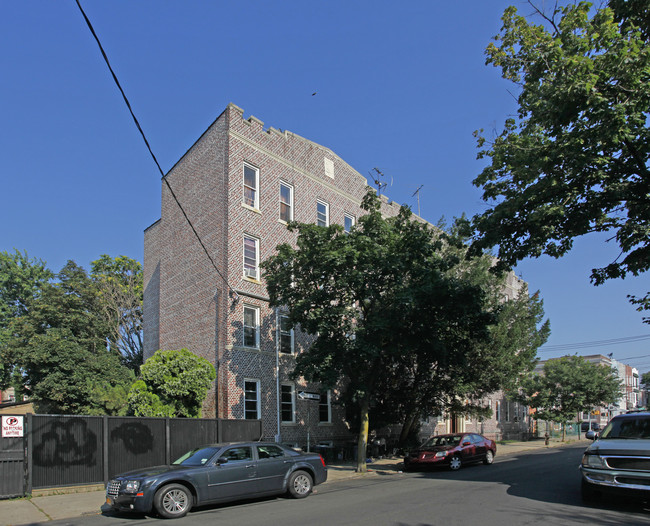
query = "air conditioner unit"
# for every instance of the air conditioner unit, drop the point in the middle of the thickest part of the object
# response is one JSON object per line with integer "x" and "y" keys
{"x": 250, "y": 273}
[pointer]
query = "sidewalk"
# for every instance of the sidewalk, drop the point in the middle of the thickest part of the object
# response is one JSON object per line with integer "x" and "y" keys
{"x": 90, "y": 500}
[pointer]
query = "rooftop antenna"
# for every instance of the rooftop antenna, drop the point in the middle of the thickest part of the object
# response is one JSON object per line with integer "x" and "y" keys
{"x": 417, "y": 193}
{"x": 377, "y": 179}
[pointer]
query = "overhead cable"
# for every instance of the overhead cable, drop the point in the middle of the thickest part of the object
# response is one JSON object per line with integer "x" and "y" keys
{"x": 598, "y": 343}
{"x": 162, "y": 174}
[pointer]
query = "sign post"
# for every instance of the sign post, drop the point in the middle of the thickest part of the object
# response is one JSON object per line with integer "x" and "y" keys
{"x": 306, "y": 395}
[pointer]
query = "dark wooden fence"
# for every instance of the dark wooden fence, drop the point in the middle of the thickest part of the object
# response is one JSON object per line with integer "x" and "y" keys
{"x": 76, "y": 450}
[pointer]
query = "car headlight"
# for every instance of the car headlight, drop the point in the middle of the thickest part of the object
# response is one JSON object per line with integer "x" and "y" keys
{"x": 132, "y": 486}
{"x": 441, "y": 454}
{"x": 593, "y": 461}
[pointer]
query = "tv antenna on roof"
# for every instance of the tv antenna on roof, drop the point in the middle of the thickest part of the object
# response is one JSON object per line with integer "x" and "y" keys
{"x": 376, "y": 177}
{"x": 417, "y": 193}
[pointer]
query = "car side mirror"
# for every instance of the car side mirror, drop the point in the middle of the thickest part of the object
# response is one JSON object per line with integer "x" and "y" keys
{"x": 221, "y": 460}
{"x": 591, "y": 435}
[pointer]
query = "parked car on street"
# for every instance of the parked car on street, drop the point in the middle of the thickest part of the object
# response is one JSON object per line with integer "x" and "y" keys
{"x": 453, "y": 451}
{"x": 217, "y": 473}
{"x": 618, "y": 461}
{"x": 589, "y": 425}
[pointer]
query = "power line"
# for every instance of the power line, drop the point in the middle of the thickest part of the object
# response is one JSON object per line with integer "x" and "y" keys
{"x": 162, "y": 174}
{"x": 598, "y": 343}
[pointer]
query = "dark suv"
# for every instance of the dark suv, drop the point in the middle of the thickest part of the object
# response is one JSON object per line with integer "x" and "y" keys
{"x": 619, "y": 459}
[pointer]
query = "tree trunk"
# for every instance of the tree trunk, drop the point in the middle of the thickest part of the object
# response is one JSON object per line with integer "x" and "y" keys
{"x": 362, "y": 445}
{"x": 406, "y": 428}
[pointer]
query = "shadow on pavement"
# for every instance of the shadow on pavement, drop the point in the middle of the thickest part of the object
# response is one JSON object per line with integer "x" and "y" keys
{"x": 550, "y": 476}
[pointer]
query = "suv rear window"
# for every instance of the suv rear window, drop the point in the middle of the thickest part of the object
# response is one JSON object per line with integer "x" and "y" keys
{"x": 628, "y": 427}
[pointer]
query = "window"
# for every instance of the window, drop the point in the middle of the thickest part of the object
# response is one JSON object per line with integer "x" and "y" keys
{"x": 498, "y": 411}
{"x": 286, "y": 335}
{"x": 251, "y": 326}
{"x": 238, "y": 454}
{"x": 348, "y": 222}
{"x": 288, "y": 403}
{"x": 322, "y": 213}
{"x": 252, "y": 399}
{"x": 325, "y": 408}
{"x": 286, "y": 202}
{"x": 251, "y": 185}
{"x": 507, "y": 411}
{"x": 251, "y": 257}
{"x": 268, "y": 451}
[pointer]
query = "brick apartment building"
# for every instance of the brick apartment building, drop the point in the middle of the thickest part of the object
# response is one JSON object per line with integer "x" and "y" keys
{"x": 240, "y": 184}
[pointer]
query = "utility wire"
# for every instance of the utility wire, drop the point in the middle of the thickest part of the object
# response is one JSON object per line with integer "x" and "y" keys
{"x": 162, "y": 174}
{"x": 598, "y": 343}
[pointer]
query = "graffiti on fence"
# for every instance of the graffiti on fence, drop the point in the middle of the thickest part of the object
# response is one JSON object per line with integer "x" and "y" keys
{"x": 68, "y": 442}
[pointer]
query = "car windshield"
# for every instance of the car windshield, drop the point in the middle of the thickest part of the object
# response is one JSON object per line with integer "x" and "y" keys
{"x": 444, "y": 440}
{"x": 632, "y": 428}
{"x": 196, "y": 457}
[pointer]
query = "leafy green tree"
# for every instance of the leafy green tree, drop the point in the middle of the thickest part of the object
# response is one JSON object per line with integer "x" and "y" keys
{"x": 645, "y": 380}
{"x": 108, "y": 399}
{"x": 432, "y": 380}
{"x": 120, "y": 287}
{"x": 174, "y": 383}
{"x": 143, "y": 402}
{"x": 567, "y": 386}
{"x": 381, "y": 302}
{"x": 21, "y": 279}
{"x": 575, "y": 159}
{"x": 58, "y": 346}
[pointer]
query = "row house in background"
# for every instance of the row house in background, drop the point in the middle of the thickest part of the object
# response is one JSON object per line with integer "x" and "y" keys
{"x": 630, "y": 399}
{"x": 239, "y": 185}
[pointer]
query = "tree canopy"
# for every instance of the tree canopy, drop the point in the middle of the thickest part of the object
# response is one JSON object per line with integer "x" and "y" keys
{"x": 173, "y": 384}
{"x": 389, "y": 310}
{"x": 57, "y": 346}
{"x": 120, "y": 287}
{"x": 429, "y": 383}
{"x": 575, "y": 159}
{"x": 567, "y": 386}
{"x": 645, "y": 380}
{"x": 21, "y": 280}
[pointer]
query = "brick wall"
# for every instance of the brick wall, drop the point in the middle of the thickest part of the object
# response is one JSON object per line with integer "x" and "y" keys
{"x": 189, "y": 304}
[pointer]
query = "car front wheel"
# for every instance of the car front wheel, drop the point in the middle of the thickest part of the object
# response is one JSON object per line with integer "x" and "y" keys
{"x": 455, "y": 463}
{"x": 173, "y": 501}
{"x": 300, "y": 484}
{"x": 489, "y": 458}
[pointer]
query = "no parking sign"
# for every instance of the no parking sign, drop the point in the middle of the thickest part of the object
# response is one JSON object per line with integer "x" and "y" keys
{"x": 12, "y": 426}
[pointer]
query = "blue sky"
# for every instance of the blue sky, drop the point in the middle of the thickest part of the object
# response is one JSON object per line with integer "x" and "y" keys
{"x": 399, "y": 86}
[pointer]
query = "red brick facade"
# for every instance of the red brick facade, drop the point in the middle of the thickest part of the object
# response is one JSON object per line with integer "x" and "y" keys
{"x": 189, "y": 304}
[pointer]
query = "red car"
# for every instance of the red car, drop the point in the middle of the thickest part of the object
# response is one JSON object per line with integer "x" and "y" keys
{"x": 452, "y": 451}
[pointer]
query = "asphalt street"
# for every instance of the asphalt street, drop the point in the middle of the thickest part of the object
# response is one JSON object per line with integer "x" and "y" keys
{"x": 535, "y": 487}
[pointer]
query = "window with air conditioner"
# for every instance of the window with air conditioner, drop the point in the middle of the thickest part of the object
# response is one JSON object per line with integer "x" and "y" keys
{"x": 251, "y": 257}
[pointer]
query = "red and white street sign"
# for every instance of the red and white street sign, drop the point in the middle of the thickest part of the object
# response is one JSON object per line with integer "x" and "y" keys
{"x": 12, "y": 426}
